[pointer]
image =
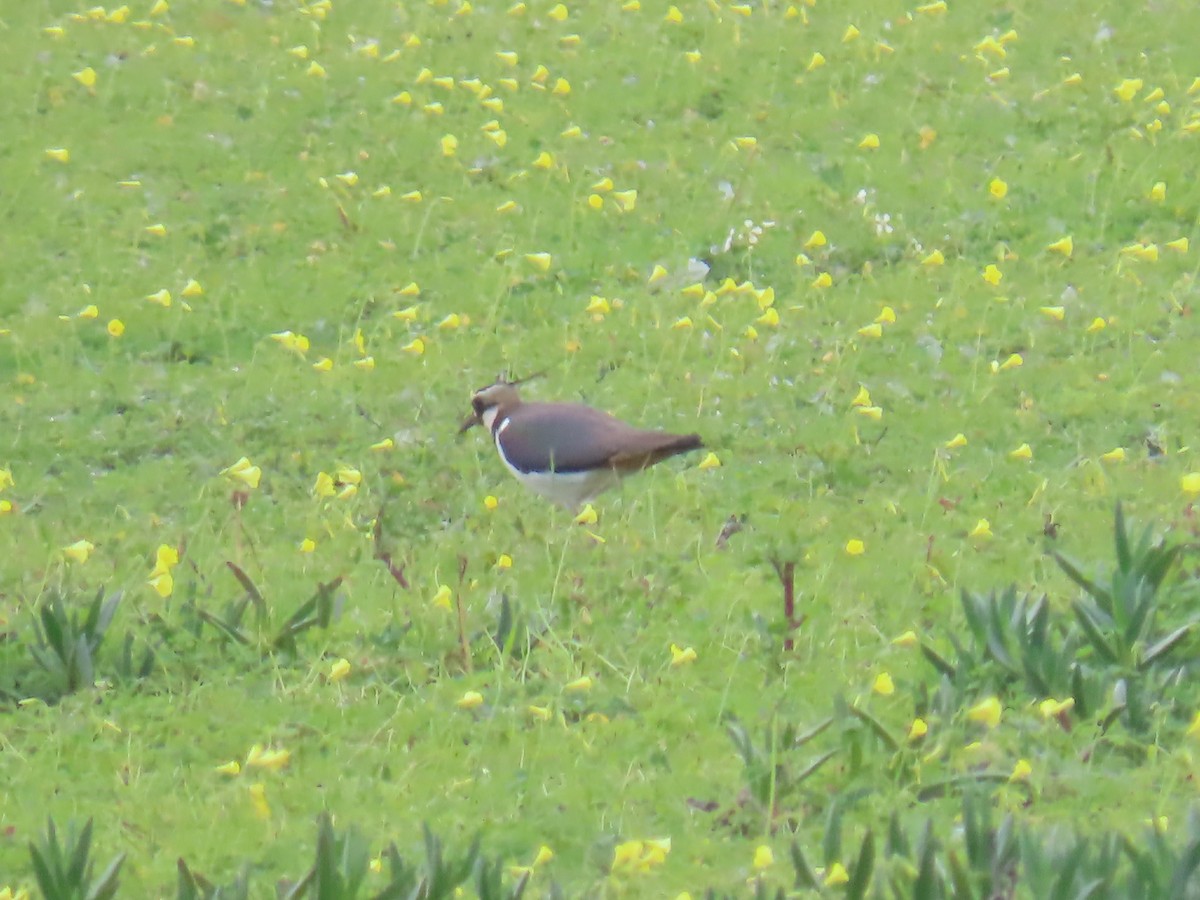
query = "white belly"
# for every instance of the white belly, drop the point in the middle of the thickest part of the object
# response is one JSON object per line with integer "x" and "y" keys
{"x": 569, "y": 489}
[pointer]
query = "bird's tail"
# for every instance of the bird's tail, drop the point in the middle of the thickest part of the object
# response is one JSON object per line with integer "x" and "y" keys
{"x": 654, "y": 447}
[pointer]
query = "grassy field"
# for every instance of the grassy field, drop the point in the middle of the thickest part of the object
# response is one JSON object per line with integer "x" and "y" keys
{"x": 921, "y": 276}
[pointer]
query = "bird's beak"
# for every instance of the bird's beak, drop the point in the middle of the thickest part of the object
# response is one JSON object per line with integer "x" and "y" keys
{"x": 469, "y": 422}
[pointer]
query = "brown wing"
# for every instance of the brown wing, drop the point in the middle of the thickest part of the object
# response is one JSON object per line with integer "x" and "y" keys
{"x": 567, "y": 437}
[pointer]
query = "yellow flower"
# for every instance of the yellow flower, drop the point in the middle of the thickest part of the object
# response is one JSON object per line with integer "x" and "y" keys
{"x": 442, "y": 598}
{"x": 998, "y": 188}
{"x": 245, "y": 472}
{"x": 161, "y": 297}
{"x": 541, "y": 713}
{"x": 1064, "y": 245}
{"x": 770, "y": 318}
{"x": 86, "y": 77}
{"x": 1145, "y": 252}
{"x": 992, "y": 275}
{"x": 1180, "y": 245}
{"x": 6, "y": 479}
{"x": 579, "y": 685}
{"x": 823, "y": 280}
{"x": 682, "y": 323}
{"x": 59, "y": 154}
{"x": 982, "y": 530}
{"x": 673, "y": 16}
{"x": 1021, "y": 771}
{"x": 1097, "y": 324}
{"x": 540, "y": 261}
{"x": 470, "y": 700}
{"x": 271, "y": 760}
{"x": 986, "y": 712}
{"x": 1116, "y": 455}
{"x": 416, "y": 347}
{"x": 874, "y": 330}
{"x": 116, "y": 328}
{"x": 308, "y": 545}
{"x": 763, "y": 857}
{"x": 324, "y": 486}
{"x": 1015, "y": 361}
{"x": 233, "y": 767}
{"x": 875, "y": 413}
{"x": 626, "y": 200}
{"x": 315, "y": 70}
{"x": 504, "y": 561}
{"x": 79, "y": 551}
{"x": 934, "y": 259}
{"x": 339, "y": 670}
{"x": 855, "y": 547}
{"x": 1022, "y": 453}
{"x": 712, "y": 461}
{"x": 836, "y": 875}
{"x": 959, "y": 440}
{"x": 682, "y": 656}
{"x": 258, "y": 799}
{"x": 598, "y": 306}
{"x": 884, "y": 686}
{"x": 587, "y": 516}
{"x": 917, "y": 730}
{"x": 640, "y": 856}
{"x": 1190, "y": 483}
{"x": 908, "y": 639}
{"x": 887, "y": 316}
{"x": 162, "y": 582}
{"x": 869, "y": 142}
{"x": 1053, "y": 312}
{"x": 1052, "y": 708}
{"x": 1128, "y": 89}
{"x": 490, "y": 503}
{"x": 297, "y": 343}
{"x": 815, "y": 62}
{"x": 165, "y": 558}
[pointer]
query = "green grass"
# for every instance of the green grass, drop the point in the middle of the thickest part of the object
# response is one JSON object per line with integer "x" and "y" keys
{"x": 236, "y": 148}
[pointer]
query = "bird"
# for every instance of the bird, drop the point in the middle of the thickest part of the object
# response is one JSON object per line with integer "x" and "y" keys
{"x": 567, "y": 452}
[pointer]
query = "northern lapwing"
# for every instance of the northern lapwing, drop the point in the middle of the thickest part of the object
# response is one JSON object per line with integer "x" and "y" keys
{"x": 567, "y": 452}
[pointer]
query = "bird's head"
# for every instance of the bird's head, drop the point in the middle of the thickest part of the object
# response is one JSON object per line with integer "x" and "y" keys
{"x": 487, "y": 402}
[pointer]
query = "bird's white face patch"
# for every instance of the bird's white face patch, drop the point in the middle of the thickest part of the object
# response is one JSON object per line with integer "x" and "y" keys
{"x": 489, "y": 416}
